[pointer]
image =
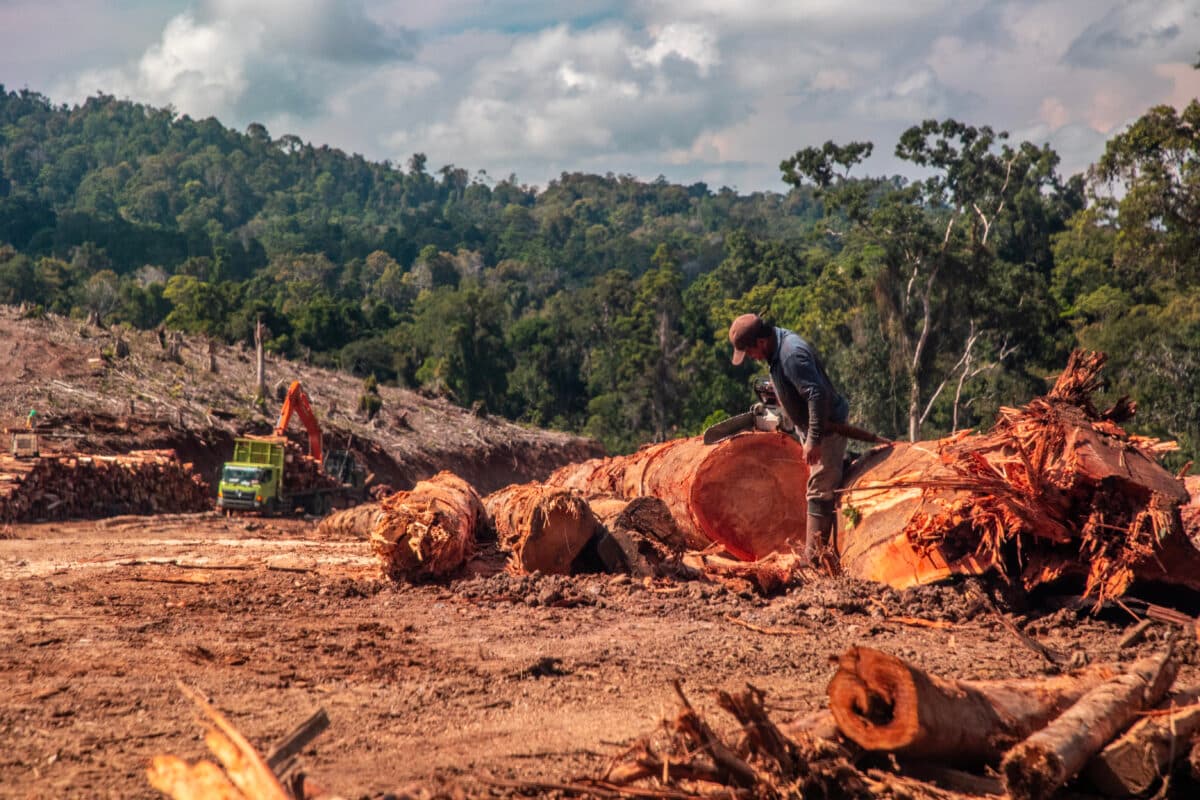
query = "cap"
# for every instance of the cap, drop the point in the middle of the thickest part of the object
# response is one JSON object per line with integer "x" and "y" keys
{"x": 743, "y": 333}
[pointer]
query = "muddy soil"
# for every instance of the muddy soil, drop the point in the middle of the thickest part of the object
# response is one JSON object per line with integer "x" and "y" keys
{"x": 428, "y": 688}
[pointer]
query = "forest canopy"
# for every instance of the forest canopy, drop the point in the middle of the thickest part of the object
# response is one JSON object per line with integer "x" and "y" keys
{"x": 599, "y": 303}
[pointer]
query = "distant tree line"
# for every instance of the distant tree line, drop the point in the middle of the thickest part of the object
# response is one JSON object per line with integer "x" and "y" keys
{"x": 600, "y": 303}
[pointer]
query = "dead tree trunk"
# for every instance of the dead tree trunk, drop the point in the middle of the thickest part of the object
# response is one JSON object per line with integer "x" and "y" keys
{"x": 260, "y": 362}
{"x": 746, "y": 492}
{"x": 1135, "y": 762}
{"x": 885, "y": 704}
{"x": 545, "y": 527}
{"x": 1038, "y": 766}
{"x": 429, "y": 530}
{"x": 212, "y": 356}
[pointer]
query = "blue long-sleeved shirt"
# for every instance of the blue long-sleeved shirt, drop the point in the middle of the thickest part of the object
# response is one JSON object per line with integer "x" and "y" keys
{"x": 804, "y": 390}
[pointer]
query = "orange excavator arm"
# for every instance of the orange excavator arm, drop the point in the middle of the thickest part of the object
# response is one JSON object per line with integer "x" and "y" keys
{"x": 296, "y": 402}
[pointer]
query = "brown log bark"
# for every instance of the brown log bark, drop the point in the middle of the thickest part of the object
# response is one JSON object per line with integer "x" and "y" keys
{"x": 429, "y": 530}
{"x": 886, "y": 704}
{"x": 648, "y": 516}
{"x": 1038, "y": 766}
{"x": 640, "y": 535}
{"x": 545, "y": 527}
{"x": 746, "y": 492}
{"x": 1134, "y": 762}
{"x": 351, "y": 523}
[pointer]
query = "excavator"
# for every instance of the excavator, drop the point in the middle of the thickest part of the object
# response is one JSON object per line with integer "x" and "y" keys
{"x": 258, "y": 477}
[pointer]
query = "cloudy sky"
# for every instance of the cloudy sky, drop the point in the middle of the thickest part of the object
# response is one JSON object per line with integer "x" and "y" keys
{"x": 712, "y": 90}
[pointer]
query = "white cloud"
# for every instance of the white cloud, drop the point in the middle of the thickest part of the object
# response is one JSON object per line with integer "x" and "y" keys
{"x": 704, "y": 89}
{"x": 199, "y": 68}
{"x": 250, "y": 58}
{"x": 561, "y": 92}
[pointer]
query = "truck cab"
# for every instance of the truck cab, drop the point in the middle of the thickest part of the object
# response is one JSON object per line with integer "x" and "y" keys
{"x": 252, "y": 480}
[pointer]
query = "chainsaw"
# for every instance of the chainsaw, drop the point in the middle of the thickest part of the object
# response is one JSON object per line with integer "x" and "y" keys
{"x": 767, "y": 415}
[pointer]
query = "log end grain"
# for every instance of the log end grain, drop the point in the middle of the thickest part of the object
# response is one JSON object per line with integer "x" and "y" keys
{"x": 559, "y": 528}
{"x": 1032, "y": 773}
{"x": 873, "y": 698}
{"x": 545, "y": 527}
{"x": 749, "y": 494}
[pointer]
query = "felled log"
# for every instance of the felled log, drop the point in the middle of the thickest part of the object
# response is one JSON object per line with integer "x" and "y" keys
{"x": 84, "y": 486}
{"x": 1038, "y": 766}
{"x": 1133, "y": 763}
{"x": 544, "y": 527}
{"x": 746, "y": 492}
{"x": 1056, "y": 481}
{"x": 355, "y": 522}
{"x": 885, "y": 704}
{"x": 429, "y": 530}
{"x": 639, "y": 535}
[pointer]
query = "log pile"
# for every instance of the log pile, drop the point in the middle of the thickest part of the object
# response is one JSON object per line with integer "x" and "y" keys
{"x": 943, "y": 738}
{"x": 90, "y": 486}
{"x": 1056, "y": 487}
{"x": 301, "y": 472}
{"x": 428, "y": 531}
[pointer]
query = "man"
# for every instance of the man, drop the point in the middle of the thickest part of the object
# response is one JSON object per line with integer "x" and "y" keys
{"x": 811, "y": 403}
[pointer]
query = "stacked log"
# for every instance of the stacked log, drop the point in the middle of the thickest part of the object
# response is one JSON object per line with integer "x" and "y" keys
{"x": 544, "y": 527}
{"x": 429, "y": 530}
{"x": 82, "y": 486}
{"x": 1056, "y": 481}
{"x": 746, "y": 492}
{"x": 1040, "y": 765}
{"x": 301, "y": 472}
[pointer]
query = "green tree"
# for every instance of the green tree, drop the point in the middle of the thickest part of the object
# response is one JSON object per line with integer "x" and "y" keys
{"x": 929, "y": 250}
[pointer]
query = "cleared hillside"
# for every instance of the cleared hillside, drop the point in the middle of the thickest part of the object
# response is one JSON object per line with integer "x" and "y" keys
{"x": 91, "y": 399}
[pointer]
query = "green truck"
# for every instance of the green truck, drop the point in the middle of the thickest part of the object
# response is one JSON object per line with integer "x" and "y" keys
{"x": 262, "y": 476}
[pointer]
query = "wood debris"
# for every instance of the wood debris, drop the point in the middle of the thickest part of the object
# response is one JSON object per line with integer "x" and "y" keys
{"x": 245, "y": 776}
{"x": 939, "y": 735}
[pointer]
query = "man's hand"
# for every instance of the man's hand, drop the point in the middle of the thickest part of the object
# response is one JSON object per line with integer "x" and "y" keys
{"x": 812, "y": 452}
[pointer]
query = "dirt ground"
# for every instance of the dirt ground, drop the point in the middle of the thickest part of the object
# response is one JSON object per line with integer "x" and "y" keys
{"x": 428, "y": 688}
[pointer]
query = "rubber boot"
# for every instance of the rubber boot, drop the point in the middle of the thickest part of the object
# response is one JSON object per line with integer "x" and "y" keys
{"x": 819, "y": 526}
